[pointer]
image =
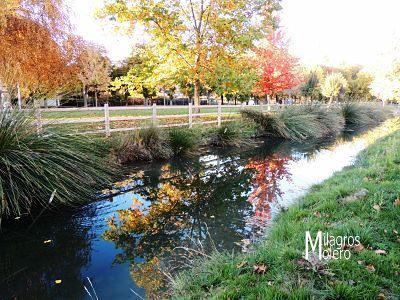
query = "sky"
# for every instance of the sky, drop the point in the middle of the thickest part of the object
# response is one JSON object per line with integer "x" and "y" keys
{"x": 329, "y": 32}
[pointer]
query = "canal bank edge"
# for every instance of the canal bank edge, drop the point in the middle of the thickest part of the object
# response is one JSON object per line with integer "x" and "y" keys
{"x": 277, "y": 267}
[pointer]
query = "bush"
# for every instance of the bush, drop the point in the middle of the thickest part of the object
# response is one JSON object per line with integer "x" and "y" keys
{"x": 33, "y": 166}
{"x": 183, "y": 140}
{"x": 145, "y": 144}
{"x": 358, "y": 114}
{"x": 232, "y": 134}
{"x": 298, "y": 122}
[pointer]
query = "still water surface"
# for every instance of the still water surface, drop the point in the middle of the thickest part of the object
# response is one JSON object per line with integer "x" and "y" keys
{"x": 113, "y": 248}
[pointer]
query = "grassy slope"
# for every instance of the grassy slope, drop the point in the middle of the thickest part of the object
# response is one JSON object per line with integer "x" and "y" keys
{"x": 231, "y": 276}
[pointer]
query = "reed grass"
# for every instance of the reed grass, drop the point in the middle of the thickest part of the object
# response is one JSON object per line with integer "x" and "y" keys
{"x": 34, "y": 166}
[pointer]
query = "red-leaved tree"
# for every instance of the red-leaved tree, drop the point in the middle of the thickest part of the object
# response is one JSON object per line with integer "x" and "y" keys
{"x": 277, "y": 69}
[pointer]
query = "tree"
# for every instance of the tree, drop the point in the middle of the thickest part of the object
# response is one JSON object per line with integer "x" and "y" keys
{"x": 386, "y": 84}
{"x": 32, "y": 34}
{"x": 195, "y": 31}
{"x": 93, "y": 70}
{"x": 358, "y": 88}
{"x": 333, "y": 84}
{"x": 311, "y": 86}
{"x": 278, "y": 70}
{"x": 232, "y": 77}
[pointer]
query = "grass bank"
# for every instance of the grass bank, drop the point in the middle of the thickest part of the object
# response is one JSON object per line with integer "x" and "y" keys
{"x": 361, "y": 200}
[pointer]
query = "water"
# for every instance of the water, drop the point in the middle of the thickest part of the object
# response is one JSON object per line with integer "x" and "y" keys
{"x": 220, "y": 200}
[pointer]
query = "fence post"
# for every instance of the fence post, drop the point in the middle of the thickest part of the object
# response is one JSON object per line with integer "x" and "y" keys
{"x": 219, "y": 114}
{"x": 107, "y": 120}
{"x": 154, "y": 118}
{"x": 190, "y": 115}
{"x": 39, "y": 124}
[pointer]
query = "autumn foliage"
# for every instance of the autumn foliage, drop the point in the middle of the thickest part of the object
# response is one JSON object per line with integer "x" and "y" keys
{"x": 277, "y": 69}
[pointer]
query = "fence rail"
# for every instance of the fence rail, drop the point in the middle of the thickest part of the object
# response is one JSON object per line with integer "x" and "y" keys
{"x": 153, "y": 114}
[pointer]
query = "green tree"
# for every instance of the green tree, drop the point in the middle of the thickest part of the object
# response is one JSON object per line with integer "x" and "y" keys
{"x": 196, "y": 31}
{"x": 311, "y": 87}
{"x": 333, "y": 85}
{"x": 358, "y": 88}
{"x": 94, "y": 69}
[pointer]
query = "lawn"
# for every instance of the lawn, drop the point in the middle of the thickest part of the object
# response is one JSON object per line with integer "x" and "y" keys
{"x": 277, "y": 270}
{"x": 130, "y": 112}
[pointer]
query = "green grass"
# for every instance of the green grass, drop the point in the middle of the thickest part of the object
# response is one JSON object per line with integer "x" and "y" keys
{"x": 231, "y": 276}
{"x": 132, "y": 113}
{"x": 231, "y": 134}
{"x": 183, "y": 140}
{"x": 34, "y": 166}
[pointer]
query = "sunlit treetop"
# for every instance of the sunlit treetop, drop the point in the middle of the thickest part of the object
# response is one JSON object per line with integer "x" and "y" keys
{"x": 194, "y": 31}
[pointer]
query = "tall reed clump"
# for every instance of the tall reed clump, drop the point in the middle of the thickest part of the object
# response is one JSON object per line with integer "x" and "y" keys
{"x": 145, "y": 144}
{"x": 298, "y": 122}
{"x": 34, "y": 166}
{"x": 232, "y": 134}
{"x": 359, "y": 114}
{"x": 183, "y": 140}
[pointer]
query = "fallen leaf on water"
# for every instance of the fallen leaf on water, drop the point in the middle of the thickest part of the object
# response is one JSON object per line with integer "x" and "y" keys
{"x": 379, "y": 251}
{"x": 260, "y": 269}
{"x": 370, "y": 268}
{"x": 241, "y": 264}
{"x": 381, "y": 296}
{"x": 377, "y": 207}
{"x": 58, "y": 281}
{"x": 47, "y": 241}
{"x": 360, "y": 247}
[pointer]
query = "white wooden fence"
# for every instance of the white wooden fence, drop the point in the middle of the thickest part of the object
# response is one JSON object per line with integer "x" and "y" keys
{"x": 153, "y": 116}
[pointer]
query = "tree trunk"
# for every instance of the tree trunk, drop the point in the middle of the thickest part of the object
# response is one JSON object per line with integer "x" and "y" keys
{"x": 19, "y": 97}
{"x": 85, "y": 96}
{"x": 197, "y": 96}
{"x": 95, "y": 97}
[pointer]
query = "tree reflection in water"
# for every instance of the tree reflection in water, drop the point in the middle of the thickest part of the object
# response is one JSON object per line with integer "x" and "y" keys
{"x": 202, "y": 205}
{"x": 269, "y": 173}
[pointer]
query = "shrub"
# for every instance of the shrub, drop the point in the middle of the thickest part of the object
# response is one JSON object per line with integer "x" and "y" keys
{"x": 145, "y": 144}
{"x": 183, "y": 140}
{"x": 33, "y": 166}
{"x": 298, "y": 122}
{"x": 232, "y": 134}
{"x": 358, "y": 114}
